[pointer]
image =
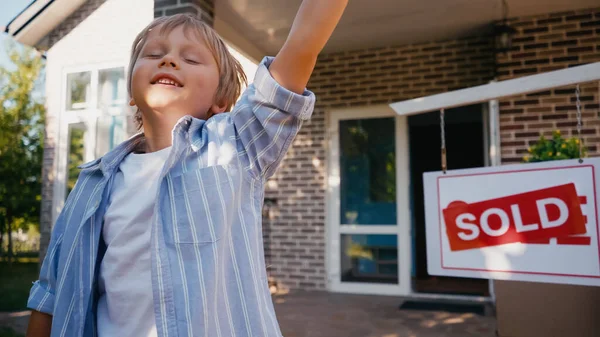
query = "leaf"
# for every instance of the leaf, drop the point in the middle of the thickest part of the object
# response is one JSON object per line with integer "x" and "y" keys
{"x": 556, "y": 148}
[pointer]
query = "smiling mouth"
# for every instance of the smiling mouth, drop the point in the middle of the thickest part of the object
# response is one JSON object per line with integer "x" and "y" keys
{"x": 167, "y": 81}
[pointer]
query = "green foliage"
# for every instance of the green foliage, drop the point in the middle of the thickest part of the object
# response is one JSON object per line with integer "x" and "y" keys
{"x": 76, "y": 156}
{"x": 555, "y": 148}
{"x": 21, "y": 140}
{"x": 16, "y": 283}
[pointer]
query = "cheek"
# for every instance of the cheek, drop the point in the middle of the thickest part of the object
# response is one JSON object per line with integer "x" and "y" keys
{"x": 205, "y": 83}
{"x": 137, "y": 73}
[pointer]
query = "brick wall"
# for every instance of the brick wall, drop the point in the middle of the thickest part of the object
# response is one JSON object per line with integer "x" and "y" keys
{"x": 204, "y": 8}
{"x": 295, "y": 236}
{"x": 545, "y": 43}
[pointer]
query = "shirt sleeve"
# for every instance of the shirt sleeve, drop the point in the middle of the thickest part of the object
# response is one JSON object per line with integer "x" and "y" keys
{"x": 267, "y": 118}
{"x": 41, "y": 296}
{"x": 42, "y": 293}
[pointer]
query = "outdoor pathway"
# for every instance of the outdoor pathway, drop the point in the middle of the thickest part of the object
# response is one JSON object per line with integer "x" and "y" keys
{"x": 323, "y": 314}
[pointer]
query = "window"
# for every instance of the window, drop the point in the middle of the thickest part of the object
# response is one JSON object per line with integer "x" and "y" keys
{"x": 111, "y": 88}
{"x": 110, "y": 132}
{"x": 96, "y": 116}
{"x": 78, "y": 90}
{"x": 369, "y": 258}
{"x": 367, "y": 171}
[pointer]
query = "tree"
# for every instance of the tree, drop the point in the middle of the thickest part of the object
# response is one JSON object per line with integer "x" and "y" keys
{"x": 21, "y": 142}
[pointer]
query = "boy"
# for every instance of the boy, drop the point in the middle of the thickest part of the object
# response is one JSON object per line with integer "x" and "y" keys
{"x": 161, "y": 236}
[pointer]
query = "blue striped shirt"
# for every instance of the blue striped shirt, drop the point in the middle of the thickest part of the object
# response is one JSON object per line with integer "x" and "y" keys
{"x": 208, "y": 269}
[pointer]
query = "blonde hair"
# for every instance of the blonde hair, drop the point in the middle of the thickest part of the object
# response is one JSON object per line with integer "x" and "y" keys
{"x": 231, "y": 74}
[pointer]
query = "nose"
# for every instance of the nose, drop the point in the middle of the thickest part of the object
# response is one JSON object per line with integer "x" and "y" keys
{"x": 168, "y": 61}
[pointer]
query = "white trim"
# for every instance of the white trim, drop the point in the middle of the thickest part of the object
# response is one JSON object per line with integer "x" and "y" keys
{"x": 367, "y": 289}
{"x": 369, "y": 229}
{"x": 333, "y": 227}
{"x": 494, "y": 136}
{"x": 494, "y": 155}
{"x": 86, "y": 118}
{"x": 44, "y": 19}
{"x": 497, "y": 90}
{"x": 403, "y": 211}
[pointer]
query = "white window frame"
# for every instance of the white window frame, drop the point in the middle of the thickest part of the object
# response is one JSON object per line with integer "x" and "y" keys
{"x": 86, "y": 117}
{"x": 403, "y": 229}
{"x": 403, "y": 217}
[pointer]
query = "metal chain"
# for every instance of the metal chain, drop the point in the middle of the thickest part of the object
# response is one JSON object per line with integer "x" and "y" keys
{"x": 579, "y": 123}
{"x": 443, "y": 137}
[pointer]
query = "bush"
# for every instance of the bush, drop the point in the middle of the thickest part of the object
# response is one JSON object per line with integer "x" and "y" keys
{"x": 556, "y": 148}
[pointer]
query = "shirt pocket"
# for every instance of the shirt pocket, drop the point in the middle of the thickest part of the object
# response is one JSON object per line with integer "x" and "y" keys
{"x": 200, "y": 207}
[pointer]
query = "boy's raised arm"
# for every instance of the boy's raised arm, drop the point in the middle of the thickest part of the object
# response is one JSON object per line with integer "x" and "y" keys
{"x": 312, "y": 27}
{"x": 272, "y": 109}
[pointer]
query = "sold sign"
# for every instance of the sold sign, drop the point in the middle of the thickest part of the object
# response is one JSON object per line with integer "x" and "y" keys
{"x": 533, "y": 216}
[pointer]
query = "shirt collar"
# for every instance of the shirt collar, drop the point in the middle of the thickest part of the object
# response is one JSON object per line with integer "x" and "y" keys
{"x": 186, "y": 126}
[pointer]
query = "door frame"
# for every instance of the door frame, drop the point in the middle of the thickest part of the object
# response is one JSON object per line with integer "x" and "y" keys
{"x": 404, "y": 216}
{"x": 332, "y": 217}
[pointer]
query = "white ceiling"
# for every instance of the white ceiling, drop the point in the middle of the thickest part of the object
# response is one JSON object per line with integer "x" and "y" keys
{"x": 264, "y": 24}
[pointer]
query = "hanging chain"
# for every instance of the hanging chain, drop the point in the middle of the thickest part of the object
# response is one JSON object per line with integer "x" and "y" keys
{"x": 579, "y": 124}
{"x": 443, "y": 136}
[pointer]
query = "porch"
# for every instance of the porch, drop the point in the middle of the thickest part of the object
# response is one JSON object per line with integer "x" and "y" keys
{"x": 326, "y": 314}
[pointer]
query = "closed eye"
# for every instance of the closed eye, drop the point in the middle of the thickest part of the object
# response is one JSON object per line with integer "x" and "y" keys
{"x": 191, "y": 61}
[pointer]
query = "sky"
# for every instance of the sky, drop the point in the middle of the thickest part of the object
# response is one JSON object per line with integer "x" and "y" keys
{"x": 8, "y": 10}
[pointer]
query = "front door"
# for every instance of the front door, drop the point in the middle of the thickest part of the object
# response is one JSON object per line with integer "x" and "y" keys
{"x": 369, "y": 238}
{"x": 466, "y": 148}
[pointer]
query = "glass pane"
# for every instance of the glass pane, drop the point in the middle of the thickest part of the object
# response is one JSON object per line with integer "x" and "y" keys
{"x": 111, "y": 88}
{"x": 371, "y": 258}
{"x": 78, "y": 90}
{"x": 110, "y": 132}
{"x": 76, "y": 154}
{"x": 368, "y": 171}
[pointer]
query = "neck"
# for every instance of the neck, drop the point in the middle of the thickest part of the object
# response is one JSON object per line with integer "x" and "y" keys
{"x": 157, "y": 132}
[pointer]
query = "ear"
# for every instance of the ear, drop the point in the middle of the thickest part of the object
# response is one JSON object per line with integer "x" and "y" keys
{"x": 131, "y": 102}
{"x": 215, "y": 109}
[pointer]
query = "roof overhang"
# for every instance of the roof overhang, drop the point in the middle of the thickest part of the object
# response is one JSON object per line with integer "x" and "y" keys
{"x": 39, "y": 18}
{"x": 265, "y": 24}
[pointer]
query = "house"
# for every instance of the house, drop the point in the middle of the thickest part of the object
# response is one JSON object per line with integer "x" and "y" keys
{"x": 344, "y": 213}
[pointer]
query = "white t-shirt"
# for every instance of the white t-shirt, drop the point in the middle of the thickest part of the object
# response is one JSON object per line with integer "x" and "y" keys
{"x": 125, "y": 306}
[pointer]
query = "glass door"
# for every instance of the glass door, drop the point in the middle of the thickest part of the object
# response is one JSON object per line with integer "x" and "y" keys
{"x": 369, "y": 237}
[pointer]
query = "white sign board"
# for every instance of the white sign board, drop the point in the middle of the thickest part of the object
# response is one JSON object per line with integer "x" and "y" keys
{"x": 532, "y": 222}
